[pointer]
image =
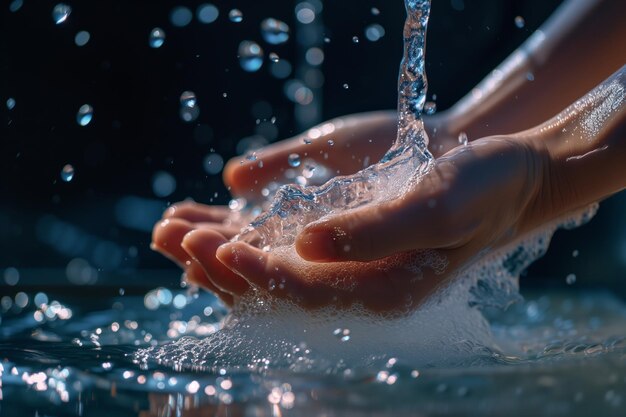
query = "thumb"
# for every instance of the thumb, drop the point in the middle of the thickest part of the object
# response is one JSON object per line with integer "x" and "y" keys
{"x": 374, "y": 232}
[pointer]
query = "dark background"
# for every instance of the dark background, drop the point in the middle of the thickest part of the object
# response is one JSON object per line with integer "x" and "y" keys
{"x": 105, "y": 213}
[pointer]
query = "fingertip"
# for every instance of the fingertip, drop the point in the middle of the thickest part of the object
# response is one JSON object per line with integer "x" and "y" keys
{"x": 243, "y": 259}
{"x": 317, "y": 244}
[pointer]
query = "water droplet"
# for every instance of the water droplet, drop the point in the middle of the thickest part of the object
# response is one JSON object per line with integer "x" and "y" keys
{"x": 163, "y": 184}
{"x": 306, "y": 141}
{"x": 346, "y": 86}
{"x": 82, "y": 38}
{"x": 274, "y": 31}
{"x": 235, "y": 15}
{"x": 189, "y": 114}
{"x": 10, "y": 103}
{"x": 207, "y": 13}
{"x": 355, "y": 39}
{"x": 16, "y": 5}
{"x": 342, "y": 334}
{"x": 274, "y": 57}
{"x": 463, "y": 138}
{"x": 520, "y": 22}
{"x": 374, "y": 32}
{"x": 430, "y": 107}
{"x": 294, "y": 160}
{"x": 85, "y": 114}
{"x": 213, "y": 163}
{"x": 570, "y": 279}
{"x": 60, "y": 13}
{"x": 331, "y": 142}
{"x": 67, "y": 173}
{"x": 271, "y": 285}
{"x": 251, "y": 156}
{"x": 575, "y": 253}
{"x": 188, "y": 99}
{"x": 314, "y": 56}
{"x": 181, "y": 16}
{"x": 530, "y": 76}
{"x": 250, "y": 56}
{"x": 157, "y": 38}
{"x": 375, "y": 11}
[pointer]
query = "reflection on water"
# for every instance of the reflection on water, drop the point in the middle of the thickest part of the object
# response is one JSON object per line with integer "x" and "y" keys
{"x": 561, "y": 354}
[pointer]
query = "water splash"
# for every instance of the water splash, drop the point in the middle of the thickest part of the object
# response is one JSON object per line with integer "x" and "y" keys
{"x": 408, "y": 159}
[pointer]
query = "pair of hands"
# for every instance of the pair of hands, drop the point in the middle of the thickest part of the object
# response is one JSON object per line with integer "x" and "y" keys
{"x": 387, "y": 257}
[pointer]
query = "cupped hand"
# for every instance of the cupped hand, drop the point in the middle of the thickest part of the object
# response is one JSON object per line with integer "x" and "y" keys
{"x": 190, "y": 233}
{"x": 391, "y": 256}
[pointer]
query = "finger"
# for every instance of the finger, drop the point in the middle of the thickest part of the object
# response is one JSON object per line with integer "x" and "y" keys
{"x": 196, "y": 275}
{"x": 194, "y": 212}
{"x": 202, "y": 245}
{"x": 167, "y": 236}
{"x": 226, "y": 230}
{"x": 422, "y": 220}
{"x": 355, "y": 142}
{"x": 267, "y": 272}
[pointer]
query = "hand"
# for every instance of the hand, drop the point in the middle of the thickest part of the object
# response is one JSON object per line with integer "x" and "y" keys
{"x": 356, "y": 142}
{"x": 391, "y": 256}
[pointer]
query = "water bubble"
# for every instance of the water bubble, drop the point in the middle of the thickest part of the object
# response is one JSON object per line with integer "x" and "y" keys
{"x": 250, "y": 56}
{"x": 430, "y": 107}
{"x": 11, "y": 276}
{"x": 374, "y": 32}
{"x": 294, "y": 160}
{"x": 163, "y": 184}
{"x": 314, "y": 56}
{"x": 16, "y": 5}
{"x": 570, "y": 279}
{"x": 274, "y": 57}
{"x": 355, "y": 39}
{"x": 305, "y": 13}
{"x": 520, "y": 22}
{"x": 157, "y": 38}
{"x": 60, "y": 13}
{"x": 274, "y": 31}
{"x": 82, "y": 38}
{"x": 281, "y": 69}
{"x": 10, "y": 103}
{"x": 188, "y": 99}
{"x": 235, "y": 15}
{"x": 67, "y": 173}
{"x": 207, "y": 13}
{"x": 181, "y": 16}
{"x": 213, "y": 163}
{"x": 84, "y": 115}
{"x": 463, "y": 138}
{"x": 189, "y": 114}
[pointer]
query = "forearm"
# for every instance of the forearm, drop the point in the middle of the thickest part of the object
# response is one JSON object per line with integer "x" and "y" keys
{"x": 583, "y": 149}
{"x": 573, "y": 51}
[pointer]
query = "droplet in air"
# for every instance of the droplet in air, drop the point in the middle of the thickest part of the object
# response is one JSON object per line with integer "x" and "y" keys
{"x": 189, "y": 114}
{"x": 374, "y": 32}
{"x": 463, "y": 138}
{"x": 16, "y": 5}
{"x": 181, "y": 16}
{"x": 346, "y": 86}
{"x": 157, "y": 38}
{"x": 294, "y": 160}
{"x": 188, "y": 99}
{"x": 570, "y": 279}
{"x": 67, "y": 173}
{"x": 250, "y": 56}
{"x": 274, "y": 31}
{"x": 274, "y": 57}
{"x": 207, "y": 13}
{"x": 84, "y": 115}
{"x": 235, "y": 15}
{"x": 82, "y": 38}
{"x": 10, "y": 103}
{"x": 430, "y": 107}
{"x": 355, "y": 39}
{"x": 375, "y": 11}
{"x": 60, "y": 13}
{"x": 520, "y": 22}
